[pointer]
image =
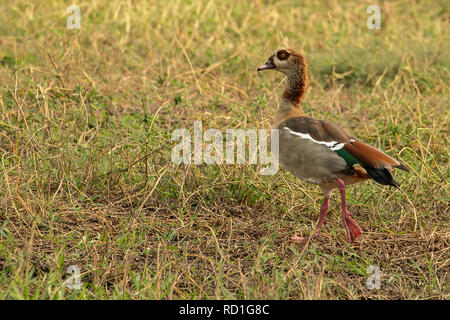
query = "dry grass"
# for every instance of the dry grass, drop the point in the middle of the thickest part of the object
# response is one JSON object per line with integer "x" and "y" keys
{"x": 86, "y": 178}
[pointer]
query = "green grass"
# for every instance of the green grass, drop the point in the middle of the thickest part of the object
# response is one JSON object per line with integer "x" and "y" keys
{"x": 86, "y": 118}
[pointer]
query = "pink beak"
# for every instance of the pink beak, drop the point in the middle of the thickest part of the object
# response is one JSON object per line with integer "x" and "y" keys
{"x": 268, "y": 65}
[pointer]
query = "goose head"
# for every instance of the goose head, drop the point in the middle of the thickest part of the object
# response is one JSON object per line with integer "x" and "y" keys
{"x": 287, "y": 61}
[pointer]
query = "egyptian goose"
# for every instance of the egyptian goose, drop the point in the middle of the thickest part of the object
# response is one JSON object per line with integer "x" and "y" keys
{"x": 318, "y": 151}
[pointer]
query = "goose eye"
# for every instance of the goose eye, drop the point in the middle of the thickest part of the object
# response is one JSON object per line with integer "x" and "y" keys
{"x": 283, "y": 55}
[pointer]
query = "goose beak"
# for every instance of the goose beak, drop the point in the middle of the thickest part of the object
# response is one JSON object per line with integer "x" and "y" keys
{"x": 268, "y": 65}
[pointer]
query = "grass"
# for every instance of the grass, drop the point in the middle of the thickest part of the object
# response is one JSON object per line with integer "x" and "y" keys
{"x": 86, "y": 120}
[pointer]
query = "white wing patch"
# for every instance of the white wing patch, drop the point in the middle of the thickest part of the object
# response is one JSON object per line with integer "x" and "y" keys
{"x": 333, "y": 145}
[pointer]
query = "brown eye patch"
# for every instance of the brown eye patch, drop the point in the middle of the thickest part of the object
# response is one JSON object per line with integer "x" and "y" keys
{"x": 282, "y": 55}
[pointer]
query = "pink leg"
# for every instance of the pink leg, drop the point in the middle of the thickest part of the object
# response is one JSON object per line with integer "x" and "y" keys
{"x": 323, "y": 212}
{"x": 351, "y": 227}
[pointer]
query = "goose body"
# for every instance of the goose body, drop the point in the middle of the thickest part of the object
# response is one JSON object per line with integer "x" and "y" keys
{"x": 318, "y": 151}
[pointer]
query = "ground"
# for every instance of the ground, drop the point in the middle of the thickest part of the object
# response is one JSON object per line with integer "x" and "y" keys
{"x": 87, "y": 181}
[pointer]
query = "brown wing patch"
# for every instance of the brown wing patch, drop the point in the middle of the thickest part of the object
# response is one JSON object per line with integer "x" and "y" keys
{"x": 370, "y": 155}
{"x": 322, "y": 130}
{"x": 336, "y": 133}
{"x": 360, "y": 150}
{"x": 318, "y": 129}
